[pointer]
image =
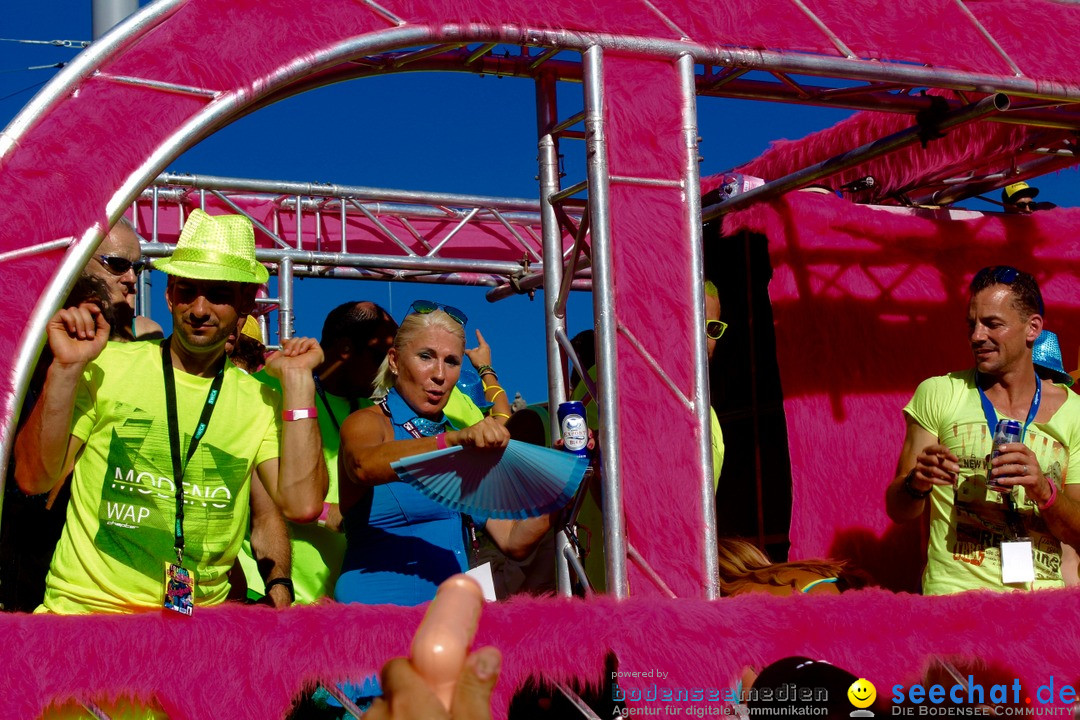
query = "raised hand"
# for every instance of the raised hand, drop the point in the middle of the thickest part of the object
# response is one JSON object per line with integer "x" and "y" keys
{"x": 480, "y": 355}
{"x": 296, "y": 353}
{"x": 77, "y": 335}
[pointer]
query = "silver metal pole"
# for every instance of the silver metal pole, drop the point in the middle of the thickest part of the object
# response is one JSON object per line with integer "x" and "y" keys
{"x": 852, "y": 158}
{"x": 143, "y": 293}
{"x": 285, "y": 299}
{"x": 691, "y": 179}
{"x": 603, "y": 312}
{"x": 546, "y": 115}
{"x": 107, "y": 13}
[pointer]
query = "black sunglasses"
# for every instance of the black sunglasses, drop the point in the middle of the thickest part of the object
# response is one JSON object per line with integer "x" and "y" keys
{"x": 119, "y": 265}
{"x": 423, "y": 307}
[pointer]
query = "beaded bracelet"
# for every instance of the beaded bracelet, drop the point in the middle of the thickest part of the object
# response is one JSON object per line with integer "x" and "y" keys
{"x": 909, "y": 488}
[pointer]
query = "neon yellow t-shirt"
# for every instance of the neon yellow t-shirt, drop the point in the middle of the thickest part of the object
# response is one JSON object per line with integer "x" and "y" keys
{"x": 118, "y": 536}
{"x": 317, "y": 552}
{"x": 967, "y": 524}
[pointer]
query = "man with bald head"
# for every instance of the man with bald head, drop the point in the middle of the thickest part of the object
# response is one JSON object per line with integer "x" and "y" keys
{"x": 118, "y": 262}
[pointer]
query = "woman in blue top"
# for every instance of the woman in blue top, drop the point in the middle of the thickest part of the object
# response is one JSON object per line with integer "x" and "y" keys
{"x": 400, "y": 544}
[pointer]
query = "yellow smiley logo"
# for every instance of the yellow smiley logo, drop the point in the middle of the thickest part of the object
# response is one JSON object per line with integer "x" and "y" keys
{"x": 862, "y": 693}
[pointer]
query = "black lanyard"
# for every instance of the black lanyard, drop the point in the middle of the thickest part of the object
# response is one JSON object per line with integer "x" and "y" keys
{"x": 174, "y": 437}
{"x": 353, "y": 404}
{"x": 1012, "y": 517}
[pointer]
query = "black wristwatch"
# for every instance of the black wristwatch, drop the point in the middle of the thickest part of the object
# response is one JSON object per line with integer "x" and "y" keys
{"x": 909, "y": 488}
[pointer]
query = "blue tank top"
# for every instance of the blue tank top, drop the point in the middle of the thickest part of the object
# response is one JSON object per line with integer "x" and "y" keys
{"x": 400, "y": 544}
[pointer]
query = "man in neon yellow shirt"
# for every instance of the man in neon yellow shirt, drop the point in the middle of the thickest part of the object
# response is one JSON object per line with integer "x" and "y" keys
{"x": 163, "y": 437}
{"x": 1006, "y": 537}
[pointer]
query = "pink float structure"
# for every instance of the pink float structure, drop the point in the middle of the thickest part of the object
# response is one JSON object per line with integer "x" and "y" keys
{"x": 103, "y": 130}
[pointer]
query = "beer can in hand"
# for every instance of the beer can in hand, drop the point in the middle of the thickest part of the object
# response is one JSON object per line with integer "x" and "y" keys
{"x": 1008, "y": 431}
{"x": 573, "y": 427}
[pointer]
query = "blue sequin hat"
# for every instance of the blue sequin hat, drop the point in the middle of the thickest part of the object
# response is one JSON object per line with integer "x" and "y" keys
{"x": 1046, "y": 354}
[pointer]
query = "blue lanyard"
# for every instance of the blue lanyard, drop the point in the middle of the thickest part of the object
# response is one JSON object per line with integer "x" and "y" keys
{"x": 991, "y": 413}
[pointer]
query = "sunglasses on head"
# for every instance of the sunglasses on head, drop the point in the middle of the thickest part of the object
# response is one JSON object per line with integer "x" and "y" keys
{"x": 1004, "y": 274}
{"x": 714, "y": 329}
{"x": 119, "y": 265}
{"x": 423, "y": 307}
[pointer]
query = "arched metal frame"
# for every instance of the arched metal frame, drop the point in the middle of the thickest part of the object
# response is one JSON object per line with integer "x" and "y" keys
{"x": 619, "y": 347}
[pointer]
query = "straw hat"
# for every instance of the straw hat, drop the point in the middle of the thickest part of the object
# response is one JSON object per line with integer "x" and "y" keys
{"x": 215, "y": 247}
{"x": 1046, "y": 354}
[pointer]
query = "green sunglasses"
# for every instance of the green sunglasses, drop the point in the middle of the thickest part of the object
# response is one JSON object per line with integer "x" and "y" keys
{"x": 423, "y": 307}
{"x": 714, "y": 329}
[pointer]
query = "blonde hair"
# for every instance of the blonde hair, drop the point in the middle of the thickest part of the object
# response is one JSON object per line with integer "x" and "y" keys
{"x": 413, "y": 324}
{"x": 742, "y": 564}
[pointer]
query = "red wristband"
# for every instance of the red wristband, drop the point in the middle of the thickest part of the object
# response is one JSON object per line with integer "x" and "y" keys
{"x": 299, "y": 414}
{"x": 440, "y": 441}
{"x": 1053, "y": 496}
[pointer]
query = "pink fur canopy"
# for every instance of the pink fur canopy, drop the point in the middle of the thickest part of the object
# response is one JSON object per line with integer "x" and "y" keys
{"x": 243, "y": 662}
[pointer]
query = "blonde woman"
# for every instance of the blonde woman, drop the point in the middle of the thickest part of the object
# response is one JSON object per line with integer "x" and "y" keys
{"x": 400, "y": 544}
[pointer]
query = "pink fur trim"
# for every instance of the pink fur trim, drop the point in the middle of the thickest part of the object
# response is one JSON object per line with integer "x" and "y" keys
{"x": 242, "y": 662}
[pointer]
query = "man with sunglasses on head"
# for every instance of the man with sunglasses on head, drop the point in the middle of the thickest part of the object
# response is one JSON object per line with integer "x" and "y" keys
{"x": 117, "y": 263}
{"x": 164, "y": 437}
{"x": 998, "y": 515}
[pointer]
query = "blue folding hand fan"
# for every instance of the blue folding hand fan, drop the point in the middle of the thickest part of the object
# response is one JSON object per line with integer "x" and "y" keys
{"x": 521, "y": 481}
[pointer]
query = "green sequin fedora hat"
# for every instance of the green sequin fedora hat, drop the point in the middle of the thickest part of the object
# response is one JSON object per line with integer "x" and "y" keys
{"x": 215, "y": 247}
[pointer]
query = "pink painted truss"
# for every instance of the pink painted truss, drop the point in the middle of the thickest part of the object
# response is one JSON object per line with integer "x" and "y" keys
{"x": 971, "y": 151}
{"x": 494, "y": 229}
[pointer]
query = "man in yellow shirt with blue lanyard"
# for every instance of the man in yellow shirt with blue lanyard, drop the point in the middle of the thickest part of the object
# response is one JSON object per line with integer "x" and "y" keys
{"x": 998, "y": 515}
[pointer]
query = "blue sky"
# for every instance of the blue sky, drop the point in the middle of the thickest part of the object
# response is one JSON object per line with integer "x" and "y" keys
{"x": 416, "y": 131}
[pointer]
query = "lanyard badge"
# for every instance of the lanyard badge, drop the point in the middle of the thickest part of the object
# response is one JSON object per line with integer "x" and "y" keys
{"x": 179, "y": 581}
{"x": 1017, "y": 553}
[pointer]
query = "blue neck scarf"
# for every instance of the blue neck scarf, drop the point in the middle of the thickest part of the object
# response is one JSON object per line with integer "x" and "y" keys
{"x": 404, "y": 416}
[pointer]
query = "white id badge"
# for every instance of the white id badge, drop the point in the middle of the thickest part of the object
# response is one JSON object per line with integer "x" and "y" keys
{"x": 482, "y": 575}
{"x": 1017, "y": 561}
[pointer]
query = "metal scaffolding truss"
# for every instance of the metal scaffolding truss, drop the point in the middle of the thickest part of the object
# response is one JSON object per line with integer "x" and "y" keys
{"x": 379, "y": 234}
{"x": 857, "y": 84}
